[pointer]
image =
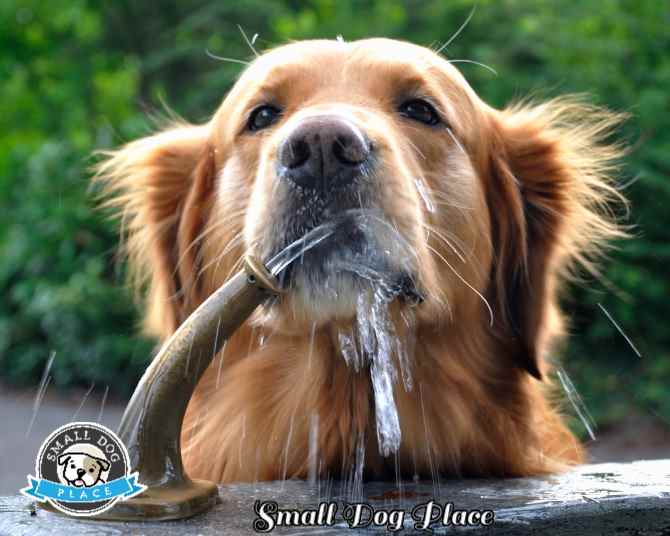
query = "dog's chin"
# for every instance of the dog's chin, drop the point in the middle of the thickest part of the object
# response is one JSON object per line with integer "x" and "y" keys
{"x": 328, "y": 295}
{"x": 327, "y": 282}
{"x": 361, "y": 252}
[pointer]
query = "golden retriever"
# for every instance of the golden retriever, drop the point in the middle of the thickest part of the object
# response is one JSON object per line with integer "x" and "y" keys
{"x": 497, "y": 206}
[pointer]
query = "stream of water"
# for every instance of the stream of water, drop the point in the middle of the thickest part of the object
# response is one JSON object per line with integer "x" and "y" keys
{"x": 373, "y": 340}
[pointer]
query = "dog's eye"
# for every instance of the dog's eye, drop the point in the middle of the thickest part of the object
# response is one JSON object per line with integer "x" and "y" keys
{"x": 90, "y": 470}
{"x": 421, "y": 111}
{"x": 262, "y": 117}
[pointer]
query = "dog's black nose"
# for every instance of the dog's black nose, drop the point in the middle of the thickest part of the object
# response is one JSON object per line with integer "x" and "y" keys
{"x": 81, "y": 472}
{"x": 323, "y": 151}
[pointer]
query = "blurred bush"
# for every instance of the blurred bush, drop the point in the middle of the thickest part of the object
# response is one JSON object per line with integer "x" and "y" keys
{"x": 78, "y": 76}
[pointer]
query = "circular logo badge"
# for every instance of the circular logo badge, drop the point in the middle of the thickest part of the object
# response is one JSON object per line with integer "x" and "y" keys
{"x": 82, "y": 469}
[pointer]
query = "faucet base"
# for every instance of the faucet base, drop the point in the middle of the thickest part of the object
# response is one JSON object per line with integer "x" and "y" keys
{"x": 170, "y": 501}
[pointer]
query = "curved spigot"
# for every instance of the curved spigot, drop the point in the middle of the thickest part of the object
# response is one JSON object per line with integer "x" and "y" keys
{"x": 151, "y": 424}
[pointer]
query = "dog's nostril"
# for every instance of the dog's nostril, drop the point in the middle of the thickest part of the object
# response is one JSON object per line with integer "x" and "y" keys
{"x": 80, "y": 472}
{"x": 349, "y": 150}
{"x": 296, "y": 153}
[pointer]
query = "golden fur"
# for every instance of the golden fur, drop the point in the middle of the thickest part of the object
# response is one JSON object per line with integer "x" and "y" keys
{"x": 521, "y": 196}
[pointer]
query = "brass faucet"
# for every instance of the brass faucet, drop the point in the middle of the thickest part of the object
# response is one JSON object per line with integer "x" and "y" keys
{"x": 152, "y": 422}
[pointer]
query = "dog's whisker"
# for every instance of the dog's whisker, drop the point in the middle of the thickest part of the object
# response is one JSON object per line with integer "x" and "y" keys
{"x": 232, "y": 243}
{"x": 458, "y": 32}
{"x": 237, "y": 240}
{"x": 229, "y": 60}
{"x": 450, "y": 204}
{"x": 398, "y": 235}
{"x": 451, "y": 236}
{"x": 458, "y": 143}
{"x": 238, "y": 263}
{"x": 465, "y": 282}
{"x": 425, "y": 196}
{"x": 217, "y": 225}
{"x": 478, "y": 63}
{"x": 444, "y": 239}
{"x": 445, "y": 199}
{"x": 416, "y": 148}
{"x": 249, "y": 43}
{"x": 441, "y": 198}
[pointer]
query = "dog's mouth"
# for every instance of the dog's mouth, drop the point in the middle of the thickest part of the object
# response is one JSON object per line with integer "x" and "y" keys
{"x": 350, "y": 251}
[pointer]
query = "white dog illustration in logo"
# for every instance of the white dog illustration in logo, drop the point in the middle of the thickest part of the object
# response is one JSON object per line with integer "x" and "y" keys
{"x": 83, "y": 465}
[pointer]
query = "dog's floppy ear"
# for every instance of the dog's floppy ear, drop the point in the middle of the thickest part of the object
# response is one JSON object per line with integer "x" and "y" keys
{"x": 63, "y": 459}
{"x": 550, "y": 168}
{"x": 160, "y": 187}
{"x": 103, "y": 463}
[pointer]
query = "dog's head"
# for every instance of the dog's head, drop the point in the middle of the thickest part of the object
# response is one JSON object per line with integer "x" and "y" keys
{"x": 80, "y": 469}
{"x": 479, "y": 211}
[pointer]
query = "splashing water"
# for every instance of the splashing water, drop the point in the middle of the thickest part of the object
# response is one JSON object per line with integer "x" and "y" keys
{"x": 83, "y": 401}
{"x": 352, "y": 485}
{"x": 379, "y": 343}
{"x": 405, "y": 348}
{"x": 576, "y": 401}
{"x": 102, "y": 404}
{"x": 618, "y": 327}
{"x": 349, "y": 351}
{"x": 286, "y": 256}
{"x": 313, "y": 455}
{"x": 382, "y": 268}
{"x": 373, "y": 262}
{"x": 44, "y": 383}
{"x": 377, "y": 338}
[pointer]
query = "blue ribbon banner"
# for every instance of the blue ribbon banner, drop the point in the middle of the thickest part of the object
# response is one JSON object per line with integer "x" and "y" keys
{"x": 124, "y": 487}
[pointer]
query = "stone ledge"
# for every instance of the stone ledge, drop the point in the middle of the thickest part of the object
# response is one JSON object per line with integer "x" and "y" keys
{"x": 631, "y": 498}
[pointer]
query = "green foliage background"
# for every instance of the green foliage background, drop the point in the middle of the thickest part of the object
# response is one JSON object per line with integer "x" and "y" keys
{"x": 76, "y": 76}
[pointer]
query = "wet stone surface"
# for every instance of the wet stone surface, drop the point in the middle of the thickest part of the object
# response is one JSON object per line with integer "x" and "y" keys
{"x": 632, "y": 498}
